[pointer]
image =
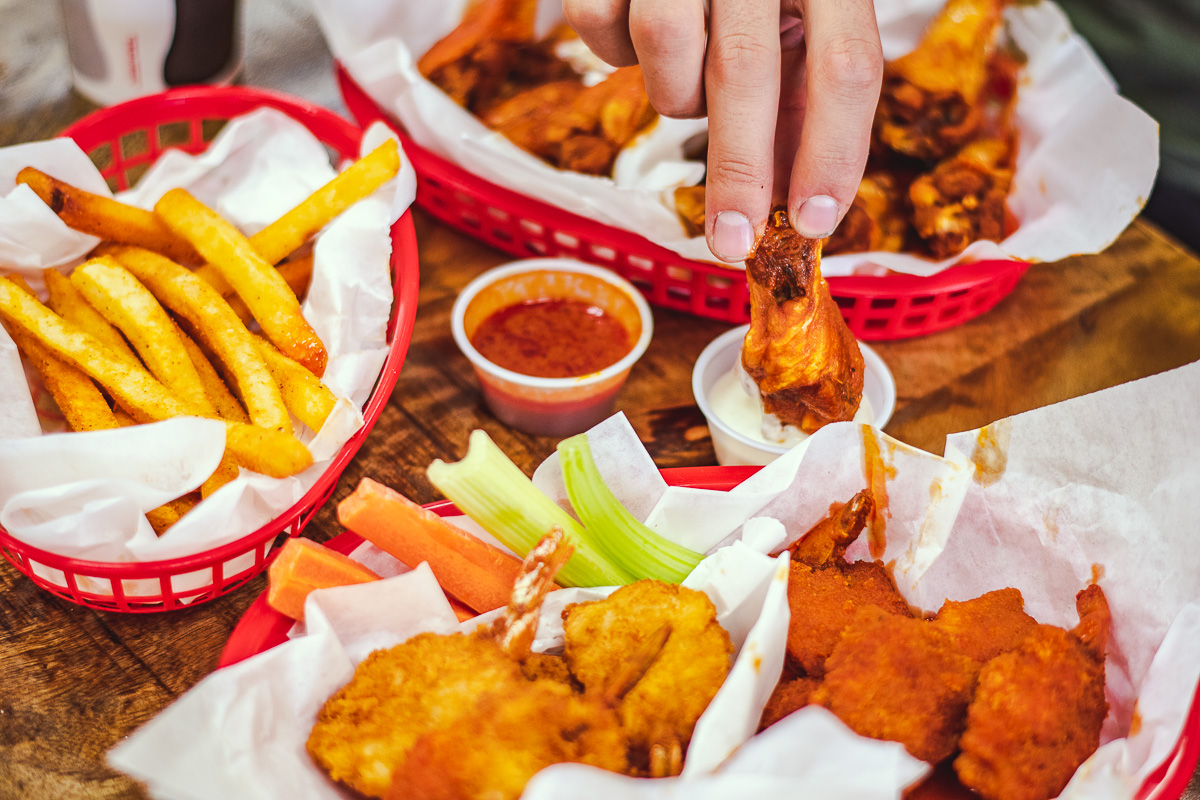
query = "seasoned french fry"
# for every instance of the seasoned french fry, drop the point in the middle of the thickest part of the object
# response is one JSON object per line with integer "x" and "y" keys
{"x": 267, "y": 452}
{"x": 297, "y": 273}
{"x": 305, "y": 396}
{"x": 360, "y": 179}
{"x": 219, "y": 329}
{"x": 130, "y": 306}
{"x": 226, "y": 404}
{"x": 169, "y": 513}
{"x": 68, "y": 303}
{"x": 81, "y": 403}
{"x": 257, "y": 282}
{"x": 225, "y": 472}
{"x": 130, "y": 384}
{"x": 107, "y": 218}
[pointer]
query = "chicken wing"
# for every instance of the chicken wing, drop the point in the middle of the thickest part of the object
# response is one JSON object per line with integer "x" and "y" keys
{"x": 877, "y": 220}
{"x": 963, "y": 198}
{"x": 792, "y": 693}
{"x": 1037, "y": 712}
{"x": 798, "y": 350}
{"x": 901, "y": 679}
{"x": 930, "y": 103}
{"x": 829, "y": 538}
{"x": 661, "y": 709}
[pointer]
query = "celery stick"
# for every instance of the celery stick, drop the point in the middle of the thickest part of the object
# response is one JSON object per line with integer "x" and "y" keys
{"x": 628, "y": 543}
{"x": 490, "y": 489}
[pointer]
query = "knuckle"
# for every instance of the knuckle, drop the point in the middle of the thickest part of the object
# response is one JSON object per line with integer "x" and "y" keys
{"x": 738, "y": 171}
{"x": 588, "y": 17}
{"x": 658, "y": 31}
{"x": 853, "y": 64}
{"x": 741, "y": 58}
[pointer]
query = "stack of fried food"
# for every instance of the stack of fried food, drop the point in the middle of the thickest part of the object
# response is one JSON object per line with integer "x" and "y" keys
{"x": 943, "y": 148}
{"x": 494, "y": 65}
{"x": 157, "y": 322}
{"x": 1017, "y": 705}
{"x": 475, "y": 716}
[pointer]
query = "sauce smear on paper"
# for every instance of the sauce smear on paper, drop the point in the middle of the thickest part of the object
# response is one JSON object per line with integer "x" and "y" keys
{"x": 878, "y": 472}
{"x": 552, "y": 338}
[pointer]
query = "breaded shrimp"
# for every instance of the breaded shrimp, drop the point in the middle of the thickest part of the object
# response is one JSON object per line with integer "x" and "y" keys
{"x": 662, "y": 707}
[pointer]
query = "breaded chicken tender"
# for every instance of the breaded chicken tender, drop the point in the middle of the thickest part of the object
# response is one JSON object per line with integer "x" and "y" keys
{"x": 898, "y": 678}
{"x": 491, "y": 753}
{"x": 365, "y": 730}
{"x": 823, "y": 600}
{"x": 673, "y": 691}
{"x": 988, "y": 625}
{"x": 1038, "y": 709}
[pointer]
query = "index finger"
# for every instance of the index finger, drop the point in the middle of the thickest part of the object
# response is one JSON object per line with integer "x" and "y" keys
{"x": 845, "y": 72}
{"x": 742, "y": 91}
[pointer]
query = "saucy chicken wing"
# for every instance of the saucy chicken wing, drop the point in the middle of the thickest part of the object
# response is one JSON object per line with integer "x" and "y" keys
{"x": 805, "y": 361}
{"x": 930, "y": 104}
{"x": 877, "y": 220}
{"x": 963, "y": 198}
{"x": 986, "y": 626}
{"x": 1037, "y": 712}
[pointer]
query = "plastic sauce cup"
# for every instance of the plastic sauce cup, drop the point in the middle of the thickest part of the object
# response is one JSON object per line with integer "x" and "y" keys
{"x": 550, "y": 406}
{"x": 734, "y": 448}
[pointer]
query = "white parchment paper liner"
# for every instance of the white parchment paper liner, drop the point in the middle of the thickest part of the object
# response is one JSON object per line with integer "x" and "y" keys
{"x": 1087, "y": 157}
{"x": 84, "y": 494}
{"x": 1099, "y": 485}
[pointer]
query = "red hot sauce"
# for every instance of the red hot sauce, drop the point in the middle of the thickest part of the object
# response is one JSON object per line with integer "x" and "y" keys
{"x": 552, "y": 338}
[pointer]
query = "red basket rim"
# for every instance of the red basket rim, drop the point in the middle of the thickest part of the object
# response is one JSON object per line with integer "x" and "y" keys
{"x": 406, "y": 285}
{"x": 262, "y": 627}
{"x": 954, "y": 278}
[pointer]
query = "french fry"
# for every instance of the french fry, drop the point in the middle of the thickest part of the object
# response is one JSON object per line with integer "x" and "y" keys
{"x": 130, "y": 306}
{"x": 68, "y": 303}
{"x": 305, "y": 396}
{"x": 226, "y": 404}
{"x": 212, "y": 320}
{"x": 257, "y": 282}
{"x": 268, "y": 452}
{"x": 107, "y": 218}
{"x": 81, "y": 403}
{"x": 297, "y": 273}
{"x": 169, "y": 513}
{"x": 225, "y": 472}
{"x": 285, "y": 235}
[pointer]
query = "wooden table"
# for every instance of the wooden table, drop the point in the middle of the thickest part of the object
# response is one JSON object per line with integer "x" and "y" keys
{"x": 74, "y": 681}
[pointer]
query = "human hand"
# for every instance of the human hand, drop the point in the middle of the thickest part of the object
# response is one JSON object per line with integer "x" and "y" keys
{"x": 789, "y": 86}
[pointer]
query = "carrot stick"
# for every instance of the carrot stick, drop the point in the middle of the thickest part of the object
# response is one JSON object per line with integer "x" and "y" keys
{"x": 302, "y": 566}
{"x": 469, "y": 569}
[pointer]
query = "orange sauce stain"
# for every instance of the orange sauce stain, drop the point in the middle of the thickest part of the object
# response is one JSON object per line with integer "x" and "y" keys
{"x": 1097, "y": 573}
{"x": 1135, "y": 724}
{"x": 991, "y": 453}
{"x": 878, "y": 472}
{"x": 1050, "y": 520}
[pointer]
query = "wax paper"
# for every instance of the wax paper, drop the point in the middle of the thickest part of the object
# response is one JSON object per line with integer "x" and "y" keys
{"x": 76, "y": 494}
{"x": 1098, "y": 488}
{"x": 1086, "y": 163}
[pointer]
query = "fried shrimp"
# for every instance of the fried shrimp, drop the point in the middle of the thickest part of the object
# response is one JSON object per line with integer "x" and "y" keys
{"x": 661, "y": 709}
{"x": 491, "y": 753}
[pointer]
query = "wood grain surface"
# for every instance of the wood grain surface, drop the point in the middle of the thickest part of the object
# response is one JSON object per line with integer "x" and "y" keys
{"x": 74, "y": 681}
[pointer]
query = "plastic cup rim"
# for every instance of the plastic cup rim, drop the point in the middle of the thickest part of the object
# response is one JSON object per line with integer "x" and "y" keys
{"x": 485, "y": 279}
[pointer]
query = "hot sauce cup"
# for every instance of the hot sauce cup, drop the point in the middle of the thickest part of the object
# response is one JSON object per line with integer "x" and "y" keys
{"x": 551, "y": 406}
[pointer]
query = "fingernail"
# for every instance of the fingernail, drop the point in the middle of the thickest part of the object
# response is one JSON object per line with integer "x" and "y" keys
{"x": 817, "y": 217}
{"x": 732, "y": 236}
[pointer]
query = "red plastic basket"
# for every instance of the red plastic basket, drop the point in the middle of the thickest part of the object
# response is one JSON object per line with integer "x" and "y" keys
{"x": 262, "y": 628}
{"x": 124, "y": 140}
{"x": 875, "y": 308}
